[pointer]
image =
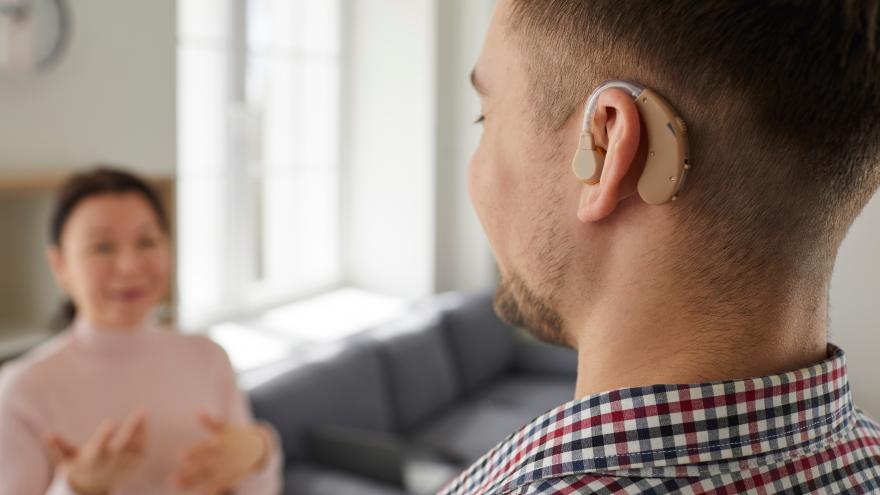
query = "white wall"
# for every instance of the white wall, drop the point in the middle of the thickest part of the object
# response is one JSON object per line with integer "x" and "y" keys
{"x": 463, "y": 259}
{"x": 410, "y": 229}
{"x": 389, "y": 146}
{"x": 855, "y": 294}
{"x": 110, "y": 98}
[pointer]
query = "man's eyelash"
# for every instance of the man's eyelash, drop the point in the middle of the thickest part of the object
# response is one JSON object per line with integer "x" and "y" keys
{"x": 479, "y": 119}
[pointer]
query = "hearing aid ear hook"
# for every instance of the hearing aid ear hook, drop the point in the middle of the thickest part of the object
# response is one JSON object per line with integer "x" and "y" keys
{"x": 668, "y": 159}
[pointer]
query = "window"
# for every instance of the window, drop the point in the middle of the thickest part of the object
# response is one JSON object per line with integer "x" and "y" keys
{"x": 259, "y": 90}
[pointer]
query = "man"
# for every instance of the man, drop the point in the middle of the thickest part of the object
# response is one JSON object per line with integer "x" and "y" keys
{"x": 725, "y": 284}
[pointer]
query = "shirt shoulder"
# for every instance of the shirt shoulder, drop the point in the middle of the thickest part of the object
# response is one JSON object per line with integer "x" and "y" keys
{"x": 197, "y": 348}
{"x": 590, "y": 483}
{"x": 36, "y": 366}
{"x": 25, "y": 381}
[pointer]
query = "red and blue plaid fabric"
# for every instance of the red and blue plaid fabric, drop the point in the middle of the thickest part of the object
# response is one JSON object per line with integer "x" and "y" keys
{"x": 795, "y": 432}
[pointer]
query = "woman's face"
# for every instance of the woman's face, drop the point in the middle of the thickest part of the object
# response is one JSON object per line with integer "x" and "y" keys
{"x": 113, "y": 260}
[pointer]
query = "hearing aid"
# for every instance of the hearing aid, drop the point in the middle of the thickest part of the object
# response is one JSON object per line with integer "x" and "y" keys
{"x": 668, "y": 153}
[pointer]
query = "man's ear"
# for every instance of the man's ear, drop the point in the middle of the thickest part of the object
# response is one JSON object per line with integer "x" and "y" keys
{"x": 56, "y": 263}
{"x": 617, "y": 128}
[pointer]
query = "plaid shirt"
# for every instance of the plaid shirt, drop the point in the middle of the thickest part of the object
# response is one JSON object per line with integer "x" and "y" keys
{"x": 796, "y": 432}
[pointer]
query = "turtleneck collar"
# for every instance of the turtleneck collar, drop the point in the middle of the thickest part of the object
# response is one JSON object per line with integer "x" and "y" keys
{"x": 113, "y": 342}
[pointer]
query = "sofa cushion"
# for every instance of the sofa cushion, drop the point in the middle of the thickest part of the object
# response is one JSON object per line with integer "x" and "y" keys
{"x": 482, "y": 345}
{"x": 531, "y": 394}
{"x": 539, "y": 358}
{"x": 468, "y": 432}
{"x": 372, "y": 454}
{"x": 383, "y": 457}
{"x": 419, "y": 366}
{"x": 314, "y": 480}
{"x": 346, "y": 388}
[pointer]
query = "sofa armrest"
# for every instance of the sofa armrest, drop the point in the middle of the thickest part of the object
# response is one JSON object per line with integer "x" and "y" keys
{"x": 536, "y": 357}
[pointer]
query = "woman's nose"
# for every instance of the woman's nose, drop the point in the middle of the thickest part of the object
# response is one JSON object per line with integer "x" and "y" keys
{"x": 128, "y": 261}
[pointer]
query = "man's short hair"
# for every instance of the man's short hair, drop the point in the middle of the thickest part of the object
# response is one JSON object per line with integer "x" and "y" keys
{"x": 782, "y": 99}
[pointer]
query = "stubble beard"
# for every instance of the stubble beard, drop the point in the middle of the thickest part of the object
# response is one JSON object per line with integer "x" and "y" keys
{"x": 535, "y": 308}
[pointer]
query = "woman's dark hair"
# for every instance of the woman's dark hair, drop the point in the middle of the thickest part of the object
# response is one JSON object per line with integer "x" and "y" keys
{"x": 99, "y": 181}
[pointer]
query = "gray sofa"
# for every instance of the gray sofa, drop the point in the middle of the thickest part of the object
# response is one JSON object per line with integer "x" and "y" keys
{"x": 404, "y": 407}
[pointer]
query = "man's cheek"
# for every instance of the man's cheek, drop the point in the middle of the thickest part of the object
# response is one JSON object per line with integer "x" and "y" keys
{"x": 480, "y": 182}
{"x": 472, "y": 178}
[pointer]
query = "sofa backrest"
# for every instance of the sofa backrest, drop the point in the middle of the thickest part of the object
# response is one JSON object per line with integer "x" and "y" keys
{"x": 482, "y": 346}
{"x": 392, "y": 378}
{"x": 421, "y": 373}
{"x": 348, "y": 388}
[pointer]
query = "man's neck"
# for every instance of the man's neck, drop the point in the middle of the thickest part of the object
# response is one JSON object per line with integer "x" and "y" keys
{"x": 631, "y": 341}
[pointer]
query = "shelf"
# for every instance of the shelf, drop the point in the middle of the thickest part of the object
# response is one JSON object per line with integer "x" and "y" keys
{"x": 17, "y": 183}
{"x": 18, "y": 342}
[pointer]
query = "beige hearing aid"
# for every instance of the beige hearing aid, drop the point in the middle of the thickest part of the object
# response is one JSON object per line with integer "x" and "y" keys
{"x": 668, "y": 159}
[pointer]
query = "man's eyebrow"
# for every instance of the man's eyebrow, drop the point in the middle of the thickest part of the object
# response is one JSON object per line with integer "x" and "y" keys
{"x": 477, "y": 83}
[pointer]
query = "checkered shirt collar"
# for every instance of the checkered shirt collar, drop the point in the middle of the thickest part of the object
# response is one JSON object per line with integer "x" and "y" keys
{"x": 675, "y": 430}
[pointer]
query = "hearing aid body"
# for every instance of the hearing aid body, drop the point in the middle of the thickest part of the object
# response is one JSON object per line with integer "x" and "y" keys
{"x": 668, "y": 158}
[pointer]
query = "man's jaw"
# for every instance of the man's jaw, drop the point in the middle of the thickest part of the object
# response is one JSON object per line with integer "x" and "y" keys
{"x": 520, "y": 306}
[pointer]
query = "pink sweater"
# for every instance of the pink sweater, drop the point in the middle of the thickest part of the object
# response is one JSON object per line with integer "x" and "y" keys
{"x": 75, "y": 381}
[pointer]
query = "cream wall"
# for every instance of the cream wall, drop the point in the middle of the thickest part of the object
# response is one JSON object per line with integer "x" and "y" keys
{"x": 855, "y": 301}
{"x": 111, "y": 96}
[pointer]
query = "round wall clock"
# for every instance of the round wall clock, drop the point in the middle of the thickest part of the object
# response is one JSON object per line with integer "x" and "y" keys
{"x": 32, "y": 34}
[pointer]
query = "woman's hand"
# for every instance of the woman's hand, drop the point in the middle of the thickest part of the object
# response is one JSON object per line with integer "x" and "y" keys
{"x": 219, "y": 463}
{"x": 106, "y": 459}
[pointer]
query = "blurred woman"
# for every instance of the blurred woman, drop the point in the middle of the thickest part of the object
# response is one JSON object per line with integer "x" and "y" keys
{"x": 115, "y": 404}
